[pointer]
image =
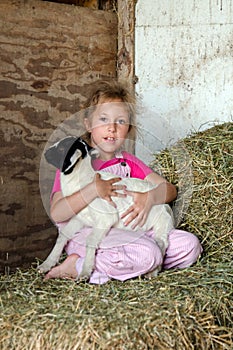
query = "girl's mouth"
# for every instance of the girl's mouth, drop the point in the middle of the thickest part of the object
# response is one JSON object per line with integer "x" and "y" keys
{"x": 110, "y": 139}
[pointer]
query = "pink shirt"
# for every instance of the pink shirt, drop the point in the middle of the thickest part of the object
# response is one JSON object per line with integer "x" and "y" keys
{"x": 136, "y": 167}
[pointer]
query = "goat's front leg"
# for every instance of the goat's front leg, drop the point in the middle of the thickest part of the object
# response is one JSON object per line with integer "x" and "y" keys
{"x": 65, "y": 234}
{"x": 55, "y": 254}
{"x": 163, "y": 224}
{"x": 93, "y": 241}
{"x": 88, "y": 264}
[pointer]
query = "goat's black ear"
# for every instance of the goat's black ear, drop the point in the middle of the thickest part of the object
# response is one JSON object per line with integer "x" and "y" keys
{"x": 70, "y": 161}
{"x": 56, "y": 154}
{"x": 52, "y": 157}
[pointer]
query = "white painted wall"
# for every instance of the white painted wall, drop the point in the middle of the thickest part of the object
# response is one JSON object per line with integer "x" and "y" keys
{"x": 184, "y": 63}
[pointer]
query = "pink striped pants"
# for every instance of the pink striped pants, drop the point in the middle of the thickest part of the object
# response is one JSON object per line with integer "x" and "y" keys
{"x": 124, "y": 255}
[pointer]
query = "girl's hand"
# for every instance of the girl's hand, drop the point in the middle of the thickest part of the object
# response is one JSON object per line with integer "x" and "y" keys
{"x": 106, "y": 188}
{"x": 138, "y": 212}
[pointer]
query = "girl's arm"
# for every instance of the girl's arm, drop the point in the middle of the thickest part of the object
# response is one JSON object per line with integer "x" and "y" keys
{"x": 165, "y": 192}
{"x": 63, "y": 208}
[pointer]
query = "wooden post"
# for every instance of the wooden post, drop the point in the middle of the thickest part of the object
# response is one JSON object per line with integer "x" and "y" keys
{"x": 126, "y": 51}
{"x": 126, "y": 26}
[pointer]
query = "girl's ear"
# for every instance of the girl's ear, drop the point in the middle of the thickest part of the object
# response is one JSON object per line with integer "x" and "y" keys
{"x": 87, "y": 124}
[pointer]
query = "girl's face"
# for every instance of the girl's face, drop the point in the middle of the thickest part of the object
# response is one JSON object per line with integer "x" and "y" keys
{"x": 109, "y": 126}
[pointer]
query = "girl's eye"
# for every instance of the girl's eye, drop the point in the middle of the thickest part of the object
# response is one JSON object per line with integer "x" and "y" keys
{"x": 104, "y": 119}
{"x": 121, "y": 121}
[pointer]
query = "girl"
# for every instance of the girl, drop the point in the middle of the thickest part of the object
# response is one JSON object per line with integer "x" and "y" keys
{"x": 109, "y": 121}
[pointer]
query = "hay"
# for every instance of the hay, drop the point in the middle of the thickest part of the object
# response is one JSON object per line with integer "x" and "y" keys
{"x": 187, "y": 309}
{"x": 180, "y": 309}
{"x": 209, "y": 164}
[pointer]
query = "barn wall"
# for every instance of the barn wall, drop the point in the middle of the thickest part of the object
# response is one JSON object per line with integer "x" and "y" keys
{"x": 49, "y": 55}
{"x": 183, "y": 60}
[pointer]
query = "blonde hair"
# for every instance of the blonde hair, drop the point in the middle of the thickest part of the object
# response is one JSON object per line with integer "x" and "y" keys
{"x": 103, "y": 91}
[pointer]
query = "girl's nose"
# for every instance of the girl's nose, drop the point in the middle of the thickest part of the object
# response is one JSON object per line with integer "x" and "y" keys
{"x": 111, "y": 126}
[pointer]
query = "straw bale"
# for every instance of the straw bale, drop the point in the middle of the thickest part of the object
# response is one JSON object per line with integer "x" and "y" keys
{"x": 202, "y": 168}
{"x": 180, "y": 309}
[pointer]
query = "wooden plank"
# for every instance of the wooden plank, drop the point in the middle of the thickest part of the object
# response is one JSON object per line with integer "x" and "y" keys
{"x": 85, "y": 3}
{"x": 94, "y": 4}
{"x": 126, "y": 51}
{"x": 49, "y": 55}
{"x": 126, "y": 42}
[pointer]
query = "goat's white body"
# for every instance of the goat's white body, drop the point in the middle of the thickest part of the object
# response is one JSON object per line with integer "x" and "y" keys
{"x": 102, "y": 216}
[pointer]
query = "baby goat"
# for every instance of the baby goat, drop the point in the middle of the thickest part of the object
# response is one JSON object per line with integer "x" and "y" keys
{"x": 71, "y": 156}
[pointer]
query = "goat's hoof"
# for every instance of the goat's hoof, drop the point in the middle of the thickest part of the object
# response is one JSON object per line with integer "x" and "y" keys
{"x": 152, "y": 274}
{"x": 43, "y": 268}
{"x": 82, "y": 278}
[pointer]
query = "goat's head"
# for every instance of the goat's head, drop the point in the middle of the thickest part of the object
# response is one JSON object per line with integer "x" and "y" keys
{"x": 65, "y": 153}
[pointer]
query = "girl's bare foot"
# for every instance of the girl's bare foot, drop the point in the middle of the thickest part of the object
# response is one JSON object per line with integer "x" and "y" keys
{"x": 67, "y": 269}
